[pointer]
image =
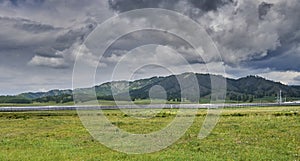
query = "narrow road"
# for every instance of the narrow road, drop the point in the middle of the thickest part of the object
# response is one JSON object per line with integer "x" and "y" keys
{"x": 200, "y": 106}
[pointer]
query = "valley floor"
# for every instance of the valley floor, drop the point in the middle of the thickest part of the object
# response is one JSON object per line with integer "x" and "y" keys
{"x": 254, "y": 133}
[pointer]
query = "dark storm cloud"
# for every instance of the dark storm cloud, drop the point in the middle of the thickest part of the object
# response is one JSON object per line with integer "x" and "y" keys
{"x": 23, "y": 2}
{"x": 136, "y": 39}
{"x": 286, "y": 61}
{"x": 255, "y": 35}
{"x": 280, "y": 63}
{"x": 208, "y": 5}
{"x": 67, "y": 39}
{"x": 59, "y": 54}
{"x": 144, "y": 37}
{"x": 47, "y": 52}
{"x": 24, "y": 33}
{"x": 263, "y": 9}
{"x": 244, "y": 30}
{"x": 38, "y": 38}
{"x": 35, "y": 28}
{"x": 127, "y": 5}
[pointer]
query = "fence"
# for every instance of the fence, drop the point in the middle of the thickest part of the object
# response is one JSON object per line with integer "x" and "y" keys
{"x": 200, "y": 106}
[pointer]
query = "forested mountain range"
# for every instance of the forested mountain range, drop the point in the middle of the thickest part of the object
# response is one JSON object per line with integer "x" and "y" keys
{"x": 244, "y": 89}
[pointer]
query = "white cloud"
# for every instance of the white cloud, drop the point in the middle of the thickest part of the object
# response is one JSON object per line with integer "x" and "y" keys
{"x": 240, "y": 34}
{"x": 48, "y": 62}
{"x": 285, "y": 77}
{"x": 81, "y": 53}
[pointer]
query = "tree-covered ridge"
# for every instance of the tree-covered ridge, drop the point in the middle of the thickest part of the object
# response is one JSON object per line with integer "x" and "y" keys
{"x": 14, "y": 99}
{"x": 244, "y": 89}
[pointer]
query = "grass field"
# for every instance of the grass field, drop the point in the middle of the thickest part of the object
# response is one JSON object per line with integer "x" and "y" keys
{"x": 268, "y": 133}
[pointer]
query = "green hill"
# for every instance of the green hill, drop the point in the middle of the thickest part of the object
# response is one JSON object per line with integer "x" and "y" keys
{"x": 244, "y": 89}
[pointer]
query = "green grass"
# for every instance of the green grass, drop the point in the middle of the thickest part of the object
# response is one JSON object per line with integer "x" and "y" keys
{"x": 269, "y": 133}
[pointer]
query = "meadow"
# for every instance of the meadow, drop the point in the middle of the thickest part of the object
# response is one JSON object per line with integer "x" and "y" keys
{"x": 250, "y": 133}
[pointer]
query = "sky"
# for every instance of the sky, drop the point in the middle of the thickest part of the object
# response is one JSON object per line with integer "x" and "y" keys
{"x": 40, "y": 41}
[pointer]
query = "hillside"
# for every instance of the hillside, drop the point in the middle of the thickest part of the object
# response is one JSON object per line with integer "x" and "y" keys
{"x": 243, "y": 89}
{"x": 34, "y": 95}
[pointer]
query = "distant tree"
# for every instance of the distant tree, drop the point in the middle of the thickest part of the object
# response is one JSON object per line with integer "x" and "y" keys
{"x": 245, "y": 98}
{"x": 14, "y": 99}
{"x": 251, "y": 99}
{"x": 232, "y": 96}
{"x": 239, "y": 97}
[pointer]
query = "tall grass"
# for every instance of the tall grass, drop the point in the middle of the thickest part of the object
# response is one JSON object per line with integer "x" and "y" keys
{"x": 269, "y": 133}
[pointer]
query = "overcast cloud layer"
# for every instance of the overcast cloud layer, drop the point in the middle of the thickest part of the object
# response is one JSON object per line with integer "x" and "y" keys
{"x": 39, "y": 40}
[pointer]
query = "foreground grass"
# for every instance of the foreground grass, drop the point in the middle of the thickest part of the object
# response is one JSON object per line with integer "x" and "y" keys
{"x": 269, "y": 133}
